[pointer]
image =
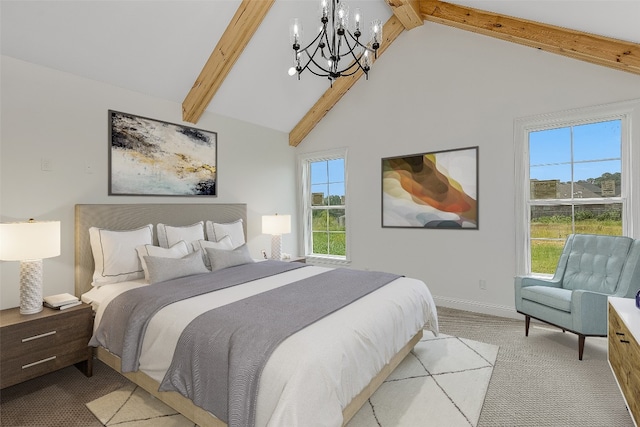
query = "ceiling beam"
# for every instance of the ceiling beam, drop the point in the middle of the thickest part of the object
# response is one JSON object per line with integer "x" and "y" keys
{"x": 244, "y": 24}
{"x": 618, "y": 54}
{"x": 408, "y": 12}
{"x": 391, "y": 30}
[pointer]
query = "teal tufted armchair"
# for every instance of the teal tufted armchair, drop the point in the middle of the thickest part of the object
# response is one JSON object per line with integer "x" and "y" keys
{"x": 591, "y": 268}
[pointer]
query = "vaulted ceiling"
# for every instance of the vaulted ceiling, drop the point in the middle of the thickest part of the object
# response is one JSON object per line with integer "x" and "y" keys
{"x": 230, "y": 57}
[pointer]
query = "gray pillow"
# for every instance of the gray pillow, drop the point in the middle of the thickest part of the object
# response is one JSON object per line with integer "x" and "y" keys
{"x": 162, "y": 269}
{"x": 221, "y": 258}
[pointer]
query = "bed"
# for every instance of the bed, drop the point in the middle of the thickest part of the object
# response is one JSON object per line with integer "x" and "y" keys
{"x": 320, "y": 375}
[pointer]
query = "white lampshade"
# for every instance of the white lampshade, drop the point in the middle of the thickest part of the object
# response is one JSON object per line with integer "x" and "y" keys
{"x": 276, "y": 224}
{"x": 30, "y": 242}
{"x": 20, "y": 241}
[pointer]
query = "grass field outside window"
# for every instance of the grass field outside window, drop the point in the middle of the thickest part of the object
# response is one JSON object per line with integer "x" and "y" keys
{"x": 548, "y": 238}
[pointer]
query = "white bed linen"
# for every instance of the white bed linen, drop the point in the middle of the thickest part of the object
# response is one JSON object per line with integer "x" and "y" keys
{"x": 315, "y": 373}
{"x": 98, "y": 294}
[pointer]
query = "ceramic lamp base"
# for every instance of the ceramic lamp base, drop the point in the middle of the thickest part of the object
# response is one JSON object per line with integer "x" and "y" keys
{"x": 30, "y": 286}
{"x": 276, "y": 246}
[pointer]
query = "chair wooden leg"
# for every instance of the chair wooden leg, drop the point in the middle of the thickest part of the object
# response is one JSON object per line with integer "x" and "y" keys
{"x": 580, "y": 346}
{"x": 527, "y": 321}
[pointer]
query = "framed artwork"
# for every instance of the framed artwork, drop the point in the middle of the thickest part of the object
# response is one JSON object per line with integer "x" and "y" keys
{"x": 431, "y": 190}
{"x": 153, "y": 158}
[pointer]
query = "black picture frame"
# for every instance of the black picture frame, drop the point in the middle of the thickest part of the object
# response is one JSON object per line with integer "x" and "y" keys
{"x": 431, "y": 190}
{"x": 149, "y": 157}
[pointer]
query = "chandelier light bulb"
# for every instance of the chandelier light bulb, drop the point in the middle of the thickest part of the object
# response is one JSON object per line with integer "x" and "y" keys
{"x": 343, "y": 15}
{"x": 292, "y": 71}
{"x": 295, "y": 32}
{"x": 358, "y": 19}
{"x": 324, "y": 9}
{"x": 376, "y": 29}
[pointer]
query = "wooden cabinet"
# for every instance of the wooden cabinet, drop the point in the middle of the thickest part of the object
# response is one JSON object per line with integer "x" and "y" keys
{"x": 36, "y": 344}
{"x": 624, "y": 351}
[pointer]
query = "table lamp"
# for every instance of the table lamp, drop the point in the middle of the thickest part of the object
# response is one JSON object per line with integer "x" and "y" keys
{"x": 276, "y": 225}
{"x": 29, "y": 242}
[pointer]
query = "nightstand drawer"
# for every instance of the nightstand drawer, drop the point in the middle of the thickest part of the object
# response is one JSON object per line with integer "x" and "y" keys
{"x": 24, "y": 367}
{"x": 21, "y": 339}
{"x": 624, "y": 359}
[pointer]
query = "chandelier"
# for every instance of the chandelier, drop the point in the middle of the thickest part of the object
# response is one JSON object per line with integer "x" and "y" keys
{"x": 334, "y": 43}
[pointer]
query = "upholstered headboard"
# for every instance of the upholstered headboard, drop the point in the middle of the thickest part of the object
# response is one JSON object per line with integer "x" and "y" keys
{"x": 125, "y": 217}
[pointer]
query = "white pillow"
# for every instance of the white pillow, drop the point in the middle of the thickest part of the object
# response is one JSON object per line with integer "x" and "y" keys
{"x": 235, "y": 230}
{"x": 114, "y": 253}
{"x": 162, "y": 269}
{"x": 223, "y": 259}
{"x": 223, "y": 244}
{"x": 178, "y": 250}
{"x": 169, "y": 235}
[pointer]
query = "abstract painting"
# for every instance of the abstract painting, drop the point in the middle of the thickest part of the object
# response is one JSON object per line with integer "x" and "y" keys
{"x": 153, "y": 158}
{"x": 431, "y": 190}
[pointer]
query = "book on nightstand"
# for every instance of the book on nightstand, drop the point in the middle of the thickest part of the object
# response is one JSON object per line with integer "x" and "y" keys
{"x": 61, "y": 301}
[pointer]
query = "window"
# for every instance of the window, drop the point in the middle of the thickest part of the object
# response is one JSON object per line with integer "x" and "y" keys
{"x": 576, "y": 176}
{"x": 324, "y": 205}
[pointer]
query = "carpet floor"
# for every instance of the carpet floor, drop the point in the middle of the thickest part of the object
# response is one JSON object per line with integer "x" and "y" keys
{"x": 443, "y": 380}
{"x": 537, "y": 381}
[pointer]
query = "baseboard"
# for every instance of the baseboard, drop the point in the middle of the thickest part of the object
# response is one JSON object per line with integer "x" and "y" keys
{"x": 478, "y": 307}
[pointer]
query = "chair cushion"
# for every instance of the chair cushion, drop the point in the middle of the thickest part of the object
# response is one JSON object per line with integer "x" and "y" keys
{"x": 595, "y": 262}
{"x": 557, "y": 298}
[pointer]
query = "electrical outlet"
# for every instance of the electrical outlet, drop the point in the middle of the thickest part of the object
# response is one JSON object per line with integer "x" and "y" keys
{"x": 46, "y": 164}
{"x": 483, "y": 285}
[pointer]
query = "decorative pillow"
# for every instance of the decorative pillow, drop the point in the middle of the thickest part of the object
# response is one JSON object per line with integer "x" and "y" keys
{"x": 169, "y": 235}
{"x": 235, "y": 230}
{"x": 114, "y": 253}
{"x": 163, "y": 269}
{"x": 178, "y": 250}
{"x": 220, "y": 258}
{"x": 224, "y": 244}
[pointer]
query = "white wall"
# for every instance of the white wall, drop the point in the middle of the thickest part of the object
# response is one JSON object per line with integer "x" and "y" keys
{"x": 440, "y": 88}
{"x": 47, "y": 114}
{"x": 436, "y": 88}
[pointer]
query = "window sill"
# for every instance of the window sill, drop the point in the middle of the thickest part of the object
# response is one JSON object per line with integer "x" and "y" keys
{"x": 322, "y": 261}
{"x": 544, "y": 276}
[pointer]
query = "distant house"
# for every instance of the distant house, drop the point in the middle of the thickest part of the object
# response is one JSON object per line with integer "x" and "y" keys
{"x": 554, "y": 189}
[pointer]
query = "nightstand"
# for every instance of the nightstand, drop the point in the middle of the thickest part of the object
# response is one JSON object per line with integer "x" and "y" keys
{"x": 36, "y": 344}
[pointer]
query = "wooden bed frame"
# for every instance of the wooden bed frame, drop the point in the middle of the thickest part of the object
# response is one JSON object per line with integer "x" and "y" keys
{"x": 125, "y": 217}
{"x": 205, "y": 419}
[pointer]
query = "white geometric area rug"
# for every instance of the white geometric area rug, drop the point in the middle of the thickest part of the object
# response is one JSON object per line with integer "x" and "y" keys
{"x": 441, "y": 383}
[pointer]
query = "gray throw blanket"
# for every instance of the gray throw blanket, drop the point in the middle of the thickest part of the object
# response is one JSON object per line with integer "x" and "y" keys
{"x": 221, "y": 354}
{"x": 124, "y": 321}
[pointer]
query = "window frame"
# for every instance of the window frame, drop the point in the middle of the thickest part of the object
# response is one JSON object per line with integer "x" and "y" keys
{"x": 306, "y": 234}
{"x": 627, "y": 112}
